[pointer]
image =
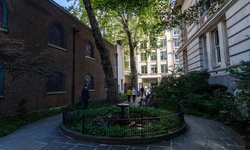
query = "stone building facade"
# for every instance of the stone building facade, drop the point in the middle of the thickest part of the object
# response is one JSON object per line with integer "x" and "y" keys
{"x": 159, "y": 62}
{"x": 43, "y": 27}
{"x": 219, "y": 40}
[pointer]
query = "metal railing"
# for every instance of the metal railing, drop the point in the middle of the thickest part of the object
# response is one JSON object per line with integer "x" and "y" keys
{"x": 127, "y": 126}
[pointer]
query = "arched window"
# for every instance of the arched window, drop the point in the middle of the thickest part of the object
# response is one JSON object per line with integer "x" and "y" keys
{"x": 57, "y": 35}
{"x": 89, "y": 49}
{"x": 56, "y": 82}
{"x": 3, "y": 14}
{"x": 89, "y": 81}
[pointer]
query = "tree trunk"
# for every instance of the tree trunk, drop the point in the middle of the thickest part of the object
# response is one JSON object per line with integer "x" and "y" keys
{"x": 104, "y": 53}
{"x": 132, "y": 57}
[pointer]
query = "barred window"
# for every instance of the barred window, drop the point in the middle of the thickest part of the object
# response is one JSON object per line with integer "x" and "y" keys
{"x": 56, "y": 82}
{"x": 57, "y": 35}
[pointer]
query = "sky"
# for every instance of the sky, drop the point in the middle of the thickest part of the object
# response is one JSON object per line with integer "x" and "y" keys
{"x": 63, "y": 2}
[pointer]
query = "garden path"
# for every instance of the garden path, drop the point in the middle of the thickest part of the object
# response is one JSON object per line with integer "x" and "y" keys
{"x": 201, "y": 134}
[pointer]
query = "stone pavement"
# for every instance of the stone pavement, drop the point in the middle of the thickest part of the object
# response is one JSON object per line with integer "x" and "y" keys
{"x": 201, "y": 134}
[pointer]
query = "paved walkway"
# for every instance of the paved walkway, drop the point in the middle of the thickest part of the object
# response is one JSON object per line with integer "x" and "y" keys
{"x": 201, "y": 134}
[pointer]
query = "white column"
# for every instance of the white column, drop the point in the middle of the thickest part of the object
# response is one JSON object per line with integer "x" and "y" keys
{"x": 223, "y": 44}
{"x": 210, "y": 49}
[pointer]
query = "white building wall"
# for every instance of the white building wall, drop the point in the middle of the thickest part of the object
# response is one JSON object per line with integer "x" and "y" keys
{"x": 232, "y": 20}
{"x": 120, "y": 78}
{"x": 238, "y": 28}
{"x": 170, "y": 61}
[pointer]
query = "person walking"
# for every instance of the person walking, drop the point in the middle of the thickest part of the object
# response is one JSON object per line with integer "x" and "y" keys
{"x": 142, "y": 91}
{"x": 129, "y": 93}
{"x": 85, "y": 96}
{"x": 134, "y": 93}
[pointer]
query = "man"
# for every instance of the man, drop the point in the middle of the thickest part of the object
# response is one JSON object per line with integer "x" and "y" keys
{"x": 142, "y": 91}
{"x": 85, "y": 97}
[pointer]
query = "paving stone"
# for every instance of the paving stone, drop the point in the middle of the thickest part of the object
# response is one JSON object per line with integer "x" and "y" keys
{"x": 201, "y": 134}
{"x": 154, "y": 147}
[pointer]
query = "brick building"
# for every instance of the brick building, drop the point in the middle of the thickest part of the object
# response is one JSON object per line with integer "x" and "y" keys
{"x": 37, "y": 27}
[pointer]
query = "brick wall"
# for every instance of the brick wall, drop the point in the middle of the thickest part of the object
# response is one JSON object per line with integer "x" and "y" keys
{"x": 28, "y": 20}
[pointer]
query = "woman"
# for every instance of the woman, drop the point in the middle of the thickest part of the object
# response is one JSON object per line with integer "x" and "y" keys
{"x": 134, "y": 93}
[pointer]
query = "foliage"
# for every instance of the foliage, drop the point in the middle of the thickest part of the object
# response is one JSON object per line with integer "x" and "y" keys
{"x": 130, "y": 21}
{"x": 242, "y": 93}
{"x": 15, "y": 58}
{"x": 179, "y": 87}
{"x": 166, "y": 120}
{"x": 10, "y": 124}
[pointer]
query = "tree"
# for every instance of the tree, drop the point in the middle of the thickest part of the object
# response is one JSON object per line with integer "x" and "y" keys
{"x": 17, "y": 60}
{"x": 104, "y": 52}
{"x": 132, "y": 21}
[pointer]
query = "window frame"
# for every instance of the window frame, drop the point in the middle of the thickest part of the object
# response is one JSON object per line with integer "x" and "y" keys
{"x": 89, "y": 51}
{"x": 216, "y": 46}
{"x": 153, "y": 56}
{"x": 90, "y": 84}
{"x": 144, "y": 69}
{"x": 175, "y": 31}
{"x": 59, "y": 43}
{"x": 56, "y": 87}
{"x": 162, "y": 56}
{"x": 153, "y": 69}
{"x": 176, "y": 43}
{"x": 163, "y": 68}
{"x": 163, "y": 43}
{"x": 3, "y": 26}
{"x": 144, "y": 56}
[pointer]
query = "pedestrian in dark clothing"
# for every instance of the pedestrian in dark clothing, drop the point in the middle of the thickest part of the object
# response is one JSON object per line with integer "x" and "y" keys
{"x": 142, "y": 91}
{"x": 85, "y": 97}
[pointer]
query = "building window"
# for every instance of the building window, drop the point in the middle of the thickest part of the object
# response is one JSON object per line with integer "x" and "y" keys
{"x": 143, "y": 45}
{"x": 153, "y": 56}
{"x": 176, "y": 56}
{"x": 3, "y": 14}
{"x": 89, "y": 81}
{"x": 1, "y": 81}
{"x": 144, "y": 69}
{"x": 116, "y": 60}
{"x": 56, "y": 82}
{"x": 163, "y": 55}
{"x": 143, "y": 57}
{"x": 217, "y": 47}
{"x": 164, "y": 68}
{"x": 163, "y": 43}
{"x": 121, "y": 84}
{"x": 153, "y": 69}
{"x": 176, "y": 67}
{"x": 176, "y": 43}
{"x": 89, "y": 49}
{"x": 175, "y": 31}
{"x": 57, "y": 35}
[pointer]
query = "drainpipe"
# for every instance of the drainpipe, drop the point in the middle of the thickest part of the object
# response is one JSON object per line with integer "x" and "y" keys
{"x": 75, "y": 30}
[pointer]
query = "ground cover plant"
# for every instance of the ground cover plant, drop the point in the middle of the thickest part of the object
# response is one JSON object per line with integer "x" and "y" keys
{"x": 107, "y": 121}
{"x": 10, "y": 124}
{"x": 198, "y": 98}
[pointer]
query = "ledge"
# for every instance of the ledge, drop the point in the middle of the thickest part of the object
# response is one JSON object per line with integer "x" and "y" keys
{"x": 120, "y": 140}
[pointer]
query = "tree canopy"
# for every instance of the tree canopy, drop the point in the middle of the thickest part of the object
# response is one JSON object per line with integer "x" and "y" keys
{"x": 130, "y": 21}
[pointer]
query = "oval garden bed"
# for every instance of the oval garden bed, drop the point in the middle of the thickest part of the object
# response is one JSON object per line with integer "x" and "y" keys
{"x": 136, "y": 125}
